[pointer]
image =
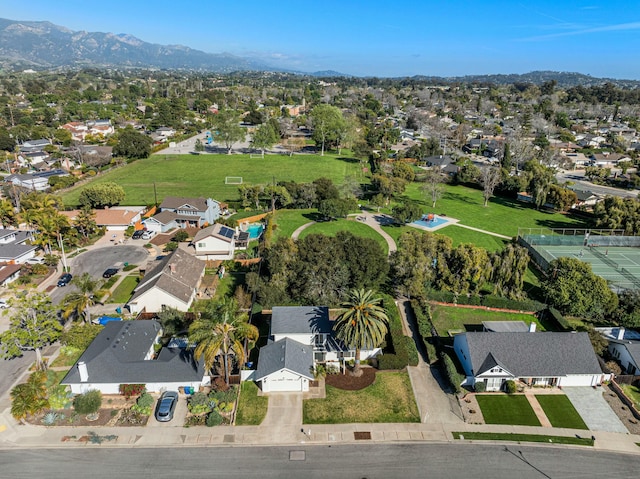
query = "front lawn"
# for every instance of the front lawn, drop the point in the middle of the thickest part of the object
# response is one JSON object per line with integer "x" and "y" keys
{"x": 446, "y": 318}
{"x": 560, "y": 411}
{"x": 204, "y": 175}
{"x": 503, "y": 409}
{"x": 124, "y": 290}
{"x": 388, "y": 399}
{"x": 251, "y": 408}
{"x": 632, "y": 393}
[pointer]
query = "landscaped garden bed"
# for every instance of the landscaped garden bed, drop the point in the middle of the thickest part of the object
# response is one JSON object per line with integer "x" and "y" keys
{"x": 349, "y": 382}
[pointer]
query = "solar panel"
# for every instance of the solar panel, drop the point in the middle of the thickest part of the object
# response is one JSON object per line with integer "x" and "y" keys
{"x": 227, "y": 232}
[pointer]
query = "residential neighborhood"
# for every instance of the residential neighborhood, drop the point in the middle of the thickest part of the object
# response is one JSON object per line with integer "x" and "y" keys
{"x": 318, "y": 261}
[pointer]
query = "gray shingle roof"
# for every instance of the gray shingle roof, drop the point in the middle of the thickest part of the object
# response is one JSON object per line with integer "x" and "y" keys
{"x": 180, "y": 283}
{"x": 178, "y": 202}
{"x": 285, "y": 354}
{"x": 300, "y": 320}
{"x": 505, "y": 326}
{"x": 634, "y": 351}
{"x": 117, "y": 356}
{"x": 216, "y": 230}
{"x": 533, "y": 354}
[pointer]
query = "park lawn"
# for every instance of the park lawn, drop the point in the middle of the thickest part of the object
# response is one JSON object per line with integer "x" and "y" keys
{"x": 560, "y": 411}
{"x": 287, "y": 221}
{"x": 251, "y": 408}
{"x": 514, "y": 437}
{"x": 388, "y": 399}
{"x": 204, "y": 175}
{"x": 124, "y": 290}
{"x": 502, "y": 215}
{"x": 446, "y": 318}
{"x": 458, "y": 234}
{"x": 503, "y": 409}
{"x": 633, "y": 393}
{"x": 331, "y": 228}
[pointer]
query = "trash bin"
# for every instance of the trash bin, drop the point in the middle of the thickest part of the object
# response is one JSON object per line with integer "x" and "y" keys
{"x": 119, "y": 310}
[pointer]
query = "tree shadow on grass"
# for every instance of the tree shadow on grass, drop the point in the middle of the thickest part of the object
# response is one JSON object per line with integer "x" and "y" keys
{"x": 314, "y": 216}
{"x": 348, "y": 159}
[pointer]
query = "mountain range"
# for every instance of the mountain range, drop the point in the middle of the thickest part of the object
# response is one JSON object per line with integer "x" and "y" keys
{"x": 45, "y": 46}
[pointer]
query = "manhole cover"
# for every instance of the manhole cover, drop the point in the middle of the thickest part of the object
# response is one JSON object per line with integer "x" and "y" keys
{"x": 359, "y": 436}
{"x": 229, "y": 438}
{"x": 297, "y": 455}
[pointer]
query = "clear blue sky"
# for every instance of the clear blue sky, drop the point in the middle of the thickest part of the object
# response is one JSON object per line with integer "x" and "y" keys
{"x": 376, "y": 37}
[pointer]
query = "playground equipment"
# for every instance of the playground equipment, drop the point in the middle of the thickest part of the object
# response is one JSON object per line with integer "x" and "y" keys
{"x": 429, "y": 218}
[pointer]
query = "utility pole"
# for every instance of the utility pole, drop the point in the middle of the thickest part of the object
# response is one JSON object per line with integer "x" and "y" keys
{"x": 155, "y": 194}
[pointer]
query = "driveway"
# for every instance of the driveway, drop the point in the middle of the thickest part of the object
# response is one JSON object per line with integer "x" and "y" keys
{"x": 179, "y": 415}
{"x": 594, "y": 410}
{"x": 285, "y": 411}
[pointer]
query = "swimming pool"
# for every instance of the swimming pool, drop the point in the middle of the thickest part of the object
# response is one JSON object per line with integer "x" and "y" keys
{"x": 255, "y": 230}
{"x": 437, "y": 221}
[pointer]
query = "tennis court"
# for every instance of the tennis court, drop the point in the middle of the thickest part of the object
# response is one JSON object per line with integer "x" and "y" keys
{"x": 613, "y": 257}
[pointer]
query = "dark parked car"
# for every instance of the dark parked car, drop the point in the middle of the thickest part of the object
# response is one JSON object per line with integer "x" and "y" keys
{"x": 166, "y": 406}
{"x": 109, "y": 272}
{"x": 137, "y": 234}
{"x": 65, "y": 279}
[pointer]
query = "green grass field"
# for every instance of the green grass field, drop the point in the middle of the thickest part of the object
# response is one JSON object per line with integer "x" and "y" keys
{"x": 388, "y": 399}
{"x": 331, "y": 228}
{"x": 507, "y": 436}
{"x": 204, "y": 175}
{"x": 503, "y": 215}
{"x": 123, "y": 291}
{"x": 251, "y": 408}
{"x": 447, "y": 318}
{"x": 511, "y": 410}
{"x": 287, "y": 221}
{"x": 560, "y": 411}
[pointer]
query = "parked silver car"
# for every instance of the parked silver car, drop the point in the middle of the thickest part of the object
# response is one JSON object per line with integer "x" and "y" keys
{"x": 166, "y": 406}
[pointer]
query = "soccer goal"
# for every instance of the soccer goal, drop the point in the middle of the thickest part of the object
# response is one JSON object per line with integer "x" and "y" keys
{"x": 253, "y": 156}
{"x": 233, "y": 180}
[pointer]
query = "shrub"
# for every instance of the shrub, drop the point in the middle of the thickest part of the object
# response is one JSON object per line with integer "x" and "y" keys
{"x": 59, "y": 397}
{"x": 198, "y": 403}
{"x": 510, "y": 386}
{"x": 554, "y": 315}
{"x": 455, "y": 378}
{"x": 614, "y": 367}
{"x": 412, "y": 351}
{"x": 171, "y": 246}
{"x": 391, "y": 361}
{"x": 80, "y": 336}
{"x": 130, "y": 390}
{"x": 425, "y": 326}
{"x": 39, "y": 269}
{"x": 219, "y": 384}
{"x": 402, "y": 350}
{"x": 144, "y": 404}
{"x": 229, "y": 395}
{"x": 88, "y": 403}
{"x": 51, "y": 417}
{"x": 480, "y": 387}
{"x": 214, "y": 419}
{"x": 180, "y": 236}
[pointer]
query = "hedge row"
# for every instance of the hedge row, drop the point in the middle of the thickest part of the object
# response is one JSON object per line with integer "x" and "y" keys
{"x": 455, "y": 378}
{"x": 425, "y": 325}
{"x": 403, "y": 347}
{"x": 489, "y": 301}
{"x": 555, "y": 315}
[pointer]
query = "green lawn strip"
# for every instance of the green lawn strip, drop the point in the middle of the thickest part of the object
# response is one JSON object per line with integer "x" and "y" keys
{"x": 503, "y": 215}
{"x": 67, "y": 359}
{"x": 513, "y": 437}
{"x": 124, "y": 290}
{"x": 447, "y": 318}
{"x": 251, "y": 408}
{"x": 633, "y": 393}
{"x": 511, "y": 410}
{"x": 204, "y": 175}
{"x": 331, "y": 228}
{"x": 287, "y": 221}
{"x": 560, "y": 411}
{"x": 389, "y": 399}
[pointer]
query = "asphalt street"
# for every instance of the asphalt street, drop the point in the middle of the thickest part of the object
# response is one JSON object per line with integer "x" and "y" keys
{"x": 370, "y": 461}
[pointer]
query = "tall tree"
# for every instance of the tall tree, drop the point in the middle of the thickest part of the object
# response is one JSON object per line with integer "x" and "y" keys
{"x": 101, "y": 195}
{"x": 264, "y": 137}
{"x": 509, "y": 267}
{"x": 364, "y": 324}
{"x": 433, "y": 186}
{"x": 132, "y": 144}
{"x": 490, "y": 178}
{"x": 222, "y": 334}
{"x": 79, "y": 302}
{"x": 227, "y": 128}
{"x": 32, "y": 326}
{"x": 328, "y": 125}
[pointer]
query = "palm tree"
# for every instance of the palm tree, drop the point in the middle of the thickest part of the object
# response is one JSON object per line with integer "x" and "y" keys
{"x": 364, "y": 324}
{"x": 222, "y": 334}
{"x": 79, "y": 302}
{"x": 30, "y": 397}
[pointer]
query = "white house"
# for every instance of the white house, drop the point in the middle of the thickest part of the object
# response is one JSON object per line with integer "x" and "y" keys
{"x": 215, "y": 242}
{"x": 192, "y": 212}
{"x": 624, "y": 345}
{"x": 536, "y": 359}
{"x": 161, "y": 223}
{"x": 123, "y": 353}
{"x": 173, "y": 283}
{"x": 14, "y": 247}
{"x": 301, "y": 336}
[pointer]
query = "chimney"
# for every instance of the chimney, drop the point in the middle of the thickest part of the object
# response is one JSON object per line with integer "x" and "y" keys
{"x": 532, "y": 327}
{"x": 620, "y": 333}
{"x": 82, "y": 369}
{"x": 172, "y": 267}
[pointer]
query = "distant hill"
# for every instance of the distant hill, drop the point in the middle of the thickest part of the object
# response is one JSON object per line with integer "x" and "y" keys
{"x": 43, "y": 45}
{"x": 564, "y": 79}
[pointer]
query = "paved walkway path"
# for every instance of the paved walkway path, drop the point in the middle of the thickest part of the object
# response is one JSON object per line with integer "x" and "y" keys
{"x": 537, "y": 408}
{"x": 497, "y": 235}
{"x": 300, "y": 229}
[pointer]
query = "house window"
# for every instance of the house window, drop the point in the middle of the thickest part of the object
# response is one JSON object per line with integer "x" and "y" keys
{"x": 318, "y": 340}
{"x": 348, "y": 354}
{"x": 202, "y": 245}
{"x": 319, "y": 356}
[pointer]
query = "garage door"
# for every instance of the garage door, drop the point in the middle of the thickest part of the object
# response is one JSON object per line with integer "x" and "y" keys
{"x": 284, "y": 385}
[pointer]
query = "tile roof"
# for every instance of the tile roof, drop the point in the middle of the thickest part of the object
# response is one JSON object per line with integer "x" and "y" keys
{"x": 285, "y": 354}
{"x": 109, "y": 217}
{"x": 533, "y": 354}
